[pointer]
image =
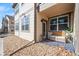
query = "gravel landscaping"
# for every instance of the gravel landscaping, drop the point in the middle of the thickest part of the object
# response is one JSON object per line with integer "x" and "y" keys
{"x": 12, "y": 43}
{"x": 40, "y": 49}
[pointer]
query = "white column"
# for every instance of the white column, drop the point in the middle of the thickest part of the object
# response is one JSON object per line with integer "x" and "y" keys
{"x": 76, "y": 29}
{"x": 19, "y": 20}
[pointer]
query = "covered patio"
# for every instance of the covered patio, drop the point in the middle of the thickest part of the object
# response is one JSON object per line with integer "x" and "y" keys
{"x": 52, "y": 22}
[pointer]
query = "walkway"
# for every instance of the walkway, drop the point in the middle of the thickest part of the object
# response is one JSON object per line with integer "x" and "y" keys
{"x": 1, "y": 46}
{"x": 2, "y": 36}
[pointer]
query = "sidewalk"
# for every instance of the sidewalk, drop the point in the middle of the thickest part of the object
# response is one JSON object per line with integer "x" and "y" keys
{"x": 1, "y": 46}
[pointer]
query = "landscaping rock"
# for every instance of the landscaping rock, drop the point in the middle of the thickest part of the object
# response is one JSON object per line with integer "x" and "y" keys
{"x": 12, "y": 43}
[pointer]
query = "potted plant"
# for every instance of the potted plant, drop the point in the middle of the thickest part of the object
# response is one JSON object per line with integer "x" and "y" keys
{"x": 68, "y": 35}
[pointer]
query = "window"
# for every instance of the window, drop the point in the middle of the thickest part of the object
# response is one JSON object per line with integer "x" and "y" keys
{"x": 59, "y": 23}
{"x": 53, "y": 24}
{"x": 25, "y": 23}
{"x": 17, "y": 26}
{"x": 63, "y": 22}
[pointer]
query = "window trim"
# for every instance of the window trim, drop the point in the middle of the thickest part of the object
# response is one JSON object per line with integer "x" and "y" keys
{"x": 18, "y": 25}
{"x": 57, "y": 21}
{"x": 28, "y": 24}
{"x": 52, "y": 24}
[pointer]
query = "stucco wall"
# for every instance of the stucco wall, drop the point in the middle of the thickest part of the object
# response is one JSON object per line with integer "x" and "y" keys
{"x": 76, "y": 29}
{"x": 39, "y": 25}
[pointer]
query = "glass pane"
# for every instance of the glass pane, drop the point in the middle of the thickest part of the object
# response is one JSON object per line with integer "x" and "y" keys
{"x": 53, "y": 27}
{"x": 62, "y": 26}
{"x": 62, "y": 20}
{"x": 25, "y": 23}
{"x": 26, "y": 27}
{"x": 17, "y": 26}
{"x": 53, "y": 21}
{"x": 22, "y": 27}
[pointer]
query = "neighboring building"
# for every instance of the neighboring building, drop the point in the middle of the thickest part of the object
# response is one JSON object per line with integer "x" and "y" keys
{"x": 8, "y": 24}
{"x": 47, "y": 20}
{"x": 0, "y": 31}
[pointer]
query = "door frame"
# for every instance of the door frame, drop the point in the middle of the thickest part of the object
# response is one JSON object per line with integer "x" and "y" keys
{"x": 45, "y": 22}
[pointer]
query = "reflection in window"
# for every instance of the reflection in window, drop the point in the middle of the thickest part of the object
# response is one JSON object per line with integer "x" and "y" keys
{"x": 63, "y": 22}
{"x": 17, "y": 26}
{"x": 53, "y": 24}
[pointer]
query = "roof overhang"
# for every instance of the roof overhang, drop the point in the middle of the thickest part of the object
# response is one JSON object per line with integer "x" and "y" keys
{"x": 14, "y": 4}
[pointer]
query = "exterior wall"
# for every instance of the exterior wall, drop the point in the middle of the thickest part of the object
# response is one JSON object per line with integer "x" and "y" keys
{"x": 10, "y": 20}
{"x": 76, "y": 29}
{"x": 4, "y": 25}
{"x": 16, "y": 19}
{"x": 26, "y": 9}
{"x": 8, "y": 24}
{"x": 0, "y": 31}
{"x": 39, "y": 25}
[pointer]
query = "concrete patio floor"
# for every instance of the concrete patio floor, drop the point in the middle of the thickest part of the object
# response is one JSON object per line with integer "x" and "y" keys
{"x": 67, "y": 46}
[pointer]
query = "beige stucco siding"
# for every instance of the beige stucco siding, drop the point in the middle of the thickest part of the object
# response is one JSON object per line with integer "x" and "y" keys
{"x": 39, "y": 25}
{"x": 76, "y": 29}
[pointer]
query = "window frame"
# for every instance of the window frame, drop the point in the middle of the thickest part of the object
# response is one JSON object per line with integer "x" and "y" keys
{"x": 57, "y": 22}
{"x": 17, "y": 22}
{"x": 52, "y": 24}
{"x": 28, "y": 23}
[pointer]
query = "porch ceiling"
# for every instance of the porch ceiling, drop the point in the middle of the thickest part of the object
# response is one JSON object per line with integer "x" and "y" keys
{"x": 58, "y": 9}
